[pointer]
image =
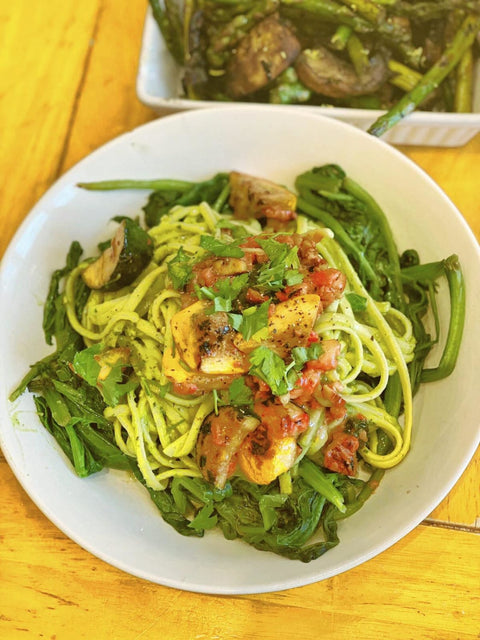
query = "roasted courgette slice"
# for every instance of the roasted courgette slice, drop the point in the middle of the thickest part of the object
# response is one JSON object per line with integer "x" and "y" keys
{"x": 130, "y": 251}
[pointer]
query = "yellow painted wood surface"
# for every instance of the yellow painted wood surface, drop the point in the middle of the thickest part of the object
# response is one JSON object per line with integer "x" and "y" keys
{"x": 67, "y": 73}
{"x": 424, "y": 587}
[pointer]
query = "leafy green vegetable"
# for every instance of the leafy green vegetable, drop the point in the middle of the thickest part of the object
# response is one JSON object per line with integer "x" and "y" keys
{"x": 180, "y": 269}
{"x": 357, "y": 302}
{"x": 254, "y": 319}
{"x": 219, "y": 248}
{"x": 268, "y": 504}
{"x": 281, "y": 268}
{"x": 86, "y": 364}
{"x": 225, "y": 291}
{"x": 239, "y": 394}
{"x": 204, "y": 518}
{"x": 322, "y": 482}
{"x": 49, "y": 311}
{"x": 269, "y": 367}
{"x": 170, "y": 193}
{"x": 422, "y": 278}
{"x": 302, "y": 355}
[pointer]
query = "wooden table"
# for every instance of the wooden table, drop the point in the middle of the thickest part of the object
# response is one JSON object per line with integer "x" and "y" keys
{"x": 67, "y": 72}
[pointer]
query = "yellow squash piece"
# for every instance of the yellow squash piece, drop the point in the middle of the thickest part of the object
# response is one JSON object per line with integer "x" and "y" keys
{"x": 289, "y": 326}
{"x": 262, "y": 460}
{"x": 184, "y": 334}
{"x": 174, "y": 369}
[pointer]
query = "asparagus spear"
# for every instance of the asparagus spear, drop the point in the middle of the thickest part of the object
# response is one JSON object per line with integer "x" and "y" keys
{"x": 170, "y": 25}
{"x": 463, "y": 87}
{"x": 358, "y": 55}
{"x": 388, "y": 30}
{"x": 332, "y": 12}
{"x": 426, "y": 11}
{"x": 369, "y": 10}
{"x": 340, "y": 38}
{"x": 404, "y": 78}
{"x": 462, "y": 41}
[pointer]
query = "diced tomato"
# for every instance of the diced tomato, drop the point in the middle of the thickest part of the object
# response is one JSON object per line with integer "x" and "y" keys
{"x": 313, "y": 337}
{"x": 336, "y": 412}
{"x": 328, "y": 359}
{"x": 339, "y": 454}
{"x": 306, "y": 385}
{"x": 206, "y": 277}
{"x": 255, "y": 297}
{"x": 329, "y": 284}
{"x": 293, "y": 425}
{"x": 260, "y": 389}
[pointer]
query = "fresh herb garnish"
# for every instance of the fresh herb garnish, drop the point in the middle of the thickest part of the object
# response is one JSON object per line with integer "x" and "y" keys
{"x": 255, "y": 320}
{"x": 224, "y": 292}
{"x": 269, "y": 367}
{"x": 357, "y": 302}
{"x": 301, "y": 355}
{"x": 86, "y": 365}
{"x": 219, "y": 248}
{"x": 282, "y": 267}
{"x": 180, "y": 269}
{"x": 239, "y": 393}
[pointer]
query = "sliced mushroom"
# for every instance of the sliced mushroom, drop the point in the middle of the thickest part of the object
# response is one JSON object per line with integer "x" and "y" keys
{"x": 262, "y": 55}
{"x": 329, "y": 75}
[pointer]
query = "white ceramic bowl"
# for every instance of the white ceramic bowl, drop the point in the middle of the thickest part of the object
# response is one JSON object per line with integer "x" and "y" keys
{"x": 110, "y": 514}
{"x": 159, "y": 87}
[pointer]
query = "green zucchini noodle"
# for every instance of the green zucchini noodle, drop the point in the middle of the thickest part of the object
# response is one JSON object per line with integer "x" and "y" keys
{"x": 159, "y": 428}
{"x": 397, "y": 347}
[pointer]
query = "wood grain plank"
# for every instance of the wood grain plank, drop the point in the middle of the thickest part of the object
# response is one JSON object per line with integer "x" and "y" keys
{"x": 108, "y": 105}
{"x": 462, "y": 504}
{"x": 457, "y": 171}
{"x": 44, "y": 48}
{"x": 424, "y": 587}
{"x": 68, "y": 72}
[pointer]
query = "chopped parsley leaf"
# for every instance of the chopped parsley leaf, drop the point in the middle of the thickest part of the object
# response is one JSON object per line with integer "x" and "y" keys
{"x": 224, "y": 292}
{"x": 281, "y": 268}
{"x": 180, "y": 269}
{"x": 239, "y": 393}
{"x": 254, "y": 319}
{"x": 269, "y": 367}
{"x": 219, "y": 248}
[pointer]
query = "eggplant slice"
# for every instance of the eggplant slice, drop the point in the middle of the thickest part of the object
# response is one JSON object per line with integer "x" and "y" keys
{"x": 130, "y": 251}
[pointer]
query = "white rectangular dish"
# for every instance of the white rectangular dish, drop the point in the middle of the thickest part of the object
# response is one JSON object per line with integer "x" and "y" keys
{"x": 159, "y": 87}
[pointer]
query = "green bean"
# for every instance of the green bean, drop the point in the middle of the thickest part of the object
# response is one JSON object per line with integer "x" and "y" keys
{"x": 462, "y": 41}
{"x": 155, "y": 185}
{"x": 456, "y": 286}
